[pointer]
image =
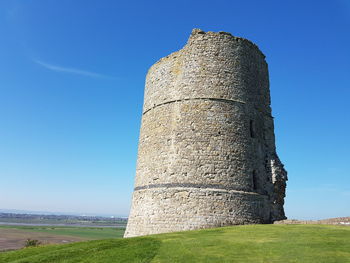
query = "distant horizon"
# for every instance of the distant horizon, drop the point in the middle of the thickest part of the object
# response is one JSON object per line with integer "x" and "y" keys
{"x": 19, "y": 211}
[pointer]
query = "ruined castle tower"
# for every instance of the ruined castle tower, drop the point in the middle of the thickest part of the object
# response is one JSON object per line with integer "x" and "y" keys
{"x": 207, "y": 155}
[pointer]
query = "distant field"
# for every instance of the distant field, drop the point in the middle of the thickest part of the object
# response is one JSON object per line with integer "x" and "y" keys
{"x": 253, "y": 243}
{"x": 13, "y": 237}
{"x": 69, "y": 222}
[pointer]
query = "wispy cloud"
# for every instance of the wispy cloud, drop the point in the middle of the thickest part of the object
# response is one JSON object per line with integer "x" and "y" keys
{"x": 70, "y": 70}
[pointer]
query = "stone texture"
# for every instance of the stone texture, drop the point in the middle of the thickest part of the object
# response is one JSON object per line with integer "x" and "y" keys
{"x": 207, "y": 152}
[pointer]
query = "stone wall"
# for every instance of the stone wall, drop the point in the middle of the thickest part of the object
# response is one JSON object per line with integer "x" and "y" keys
{"x": 207, "y": 153}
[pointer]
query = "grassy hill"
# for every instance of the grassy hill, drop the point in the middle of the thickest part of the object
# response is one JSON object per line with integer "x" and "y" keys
{"x": 253, "y": 243}
{"x": 84, "y": 232}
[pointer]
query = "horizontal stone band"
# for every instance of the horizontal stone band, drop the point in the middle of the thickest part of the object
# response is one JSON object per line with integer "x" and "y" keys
{"x": 210, "y": 99}
{"x": 189, "y": 185}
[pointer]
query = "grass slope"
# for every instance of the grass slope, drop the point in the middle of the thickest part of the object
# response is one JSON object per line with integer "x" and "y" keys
{"x": 84, "y": 232}
{"x": 254, "y": 243}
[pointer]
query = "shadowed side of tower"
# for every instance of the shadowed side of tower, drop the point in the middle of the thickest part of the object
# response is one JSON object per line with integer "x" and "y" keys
{"x": 207, "y": 154}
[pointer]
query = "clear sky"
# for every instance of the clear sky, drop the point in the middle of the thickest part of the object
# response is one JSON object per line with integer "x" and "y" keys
{"x": 71, "y": 91}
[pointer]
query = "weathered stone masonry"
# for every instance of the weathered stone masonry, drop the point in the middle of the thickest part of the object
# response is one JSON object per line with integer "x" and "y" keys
{"x": 207, "y": 154}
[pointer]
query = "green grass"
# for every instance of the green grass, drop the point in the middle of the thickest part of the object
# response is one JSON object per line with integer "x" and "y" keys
{"x": 254, "y": 243}
{"x": 84, "y": 232}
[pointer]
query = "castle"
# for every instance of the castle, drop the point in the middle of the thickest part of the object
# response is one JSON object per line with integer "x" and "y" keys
{"x": 207, "y": 155}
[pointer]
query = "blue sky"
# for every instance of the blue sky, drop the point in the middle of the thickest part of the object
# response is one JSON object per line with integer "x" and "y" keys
{"x": 72, "y": 78}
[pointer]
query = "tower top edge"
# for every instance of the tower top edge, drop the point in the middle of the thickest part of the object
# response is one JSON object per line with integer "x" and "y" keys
{"x": 197, "y": 33}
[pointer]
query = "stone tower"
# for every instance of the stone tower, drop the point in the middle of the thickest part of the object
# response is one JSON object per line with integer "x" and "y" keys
{"x": 207, "y": 155}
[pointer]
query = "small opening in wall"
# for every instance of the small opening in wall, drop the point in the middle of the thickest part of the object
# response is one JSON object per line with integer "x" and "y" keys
{"x": 255, "y": 179}
{"x": 251, "y": 128}
{"x": 219, "y": 133}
